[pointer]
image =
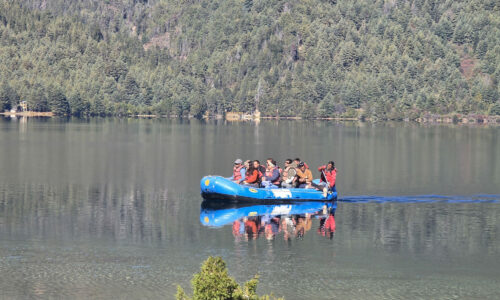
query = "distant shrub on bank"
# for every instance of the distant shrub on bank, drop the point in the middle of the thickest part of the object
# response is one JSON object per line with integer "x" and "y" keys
{"x": 213, "y": 282}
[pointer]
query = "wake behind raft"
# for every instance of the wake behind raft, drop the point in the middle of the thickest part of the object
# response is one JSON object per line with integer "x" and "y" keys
{"x": 217, "y": 188}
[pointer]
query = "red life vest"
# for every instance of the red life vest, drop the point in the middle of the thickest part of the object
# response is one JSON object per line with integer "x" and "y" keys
{"x": 236, "y": 173}
{"x": 269, "y": 174}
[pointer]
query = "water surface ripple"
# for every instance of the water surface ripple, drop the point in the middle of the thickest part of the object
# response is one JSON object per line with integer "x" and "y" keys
{"x": 423, "y": 199}
{"x": 110, "y": 208}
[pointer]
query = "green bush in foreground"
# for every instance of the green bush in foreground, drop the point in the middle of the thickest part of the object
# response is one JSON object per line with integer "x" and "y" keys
{"x": 213, "y": 282}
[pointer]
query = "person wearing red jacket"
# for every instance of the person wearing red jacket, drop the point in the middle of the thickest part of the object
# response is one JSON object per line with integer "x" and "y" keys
{"x": 328, "y": 177}
{"x": 253, "y": 176}
{"x": 330, "y": 172}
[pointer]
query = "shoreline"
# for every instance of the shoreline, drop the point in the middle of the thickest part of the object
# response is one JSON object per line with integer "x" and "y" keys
{"x": 473, "y": 119}
{"x": 28, "y": 114}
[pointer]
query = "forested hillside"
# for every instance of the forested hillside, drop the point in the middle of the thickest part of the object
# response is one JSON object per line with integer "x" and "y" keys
{"x": 389, "y": 59}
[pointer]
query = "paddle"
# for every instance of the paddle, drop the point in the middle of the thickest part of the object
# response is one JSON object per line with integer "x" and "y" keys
{"x": 326, "y": 179}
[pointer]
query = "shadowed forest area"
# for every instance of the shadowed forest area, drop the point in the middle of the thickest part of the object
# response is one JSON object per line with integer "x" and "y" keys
{"x": 391, "y": 59}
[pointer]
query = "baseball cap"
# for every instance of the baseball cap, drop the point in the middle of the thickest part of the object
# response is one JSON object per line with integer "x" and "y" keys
{"x": 238, "y": 161}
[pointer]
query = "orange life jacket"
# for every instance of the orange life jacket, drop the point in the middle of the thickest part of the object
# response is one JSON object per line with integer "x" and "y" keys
{"x": 253, "y": 177}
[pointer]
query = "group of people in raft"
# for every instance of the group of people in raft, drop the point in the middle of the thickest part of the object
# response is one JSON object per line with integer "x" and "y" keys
{"x": 295, "y": 174}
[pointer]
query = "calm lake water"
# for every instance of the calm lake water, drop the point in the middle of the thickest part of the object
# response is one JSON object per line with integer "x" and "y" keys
{"x": 110, "y": 208}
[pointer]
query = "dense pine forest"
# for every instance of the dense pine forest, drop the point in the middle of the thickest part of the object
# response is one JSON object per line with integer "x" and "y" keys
{"x": 391, "y": 59}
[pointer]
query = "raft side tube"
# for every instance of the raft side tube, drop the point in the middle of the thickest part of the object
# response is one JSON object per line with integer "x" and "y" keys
{"x": 217, "y": 184}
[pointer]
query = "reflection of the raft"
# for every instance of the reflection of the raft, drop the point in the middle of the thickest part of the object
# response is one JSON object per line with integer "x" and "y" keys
{"x": 253, "y": 221}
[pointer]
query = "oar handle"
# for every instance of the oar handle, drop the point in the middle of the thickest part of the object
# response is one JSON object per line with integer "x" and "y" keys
{"x": 326, "y": 179}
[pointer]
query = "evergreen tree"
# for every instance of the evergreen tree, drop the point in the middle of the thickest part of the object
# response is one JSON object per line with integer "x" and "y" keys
{"x": 214, "y": 282}
{"x": 5, "y": 93}
{"x": 79, "y": 107}
{"x": 196, "y": 57}
{"x": 58, "y": 102}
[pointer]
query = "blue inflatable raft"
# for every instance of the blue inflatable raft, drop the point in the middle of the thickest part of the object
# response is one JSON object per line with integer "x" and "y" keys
{"x": 217, "y": 188}
{"x": 215, "y": 217}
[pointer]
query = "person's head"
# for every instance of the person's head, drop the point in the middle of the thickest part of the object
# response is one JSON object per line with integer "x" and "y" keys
{"x": 256, "y": 164}
{"x": 270, "y": 163}
{"x": 238, "y": 162}
{"x": 251, "y": 166}
{"x": 247, "y": 163}
{"x": 330, "y": 165}
{"x": 288, "y": 162}
{"x": 297, "y": 160}
{"x": 302, "y": 166}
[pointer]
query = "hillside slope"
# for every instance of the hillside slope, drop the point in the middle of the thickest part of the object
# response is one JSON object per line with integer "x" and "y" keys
{"x": 384, "y": 59}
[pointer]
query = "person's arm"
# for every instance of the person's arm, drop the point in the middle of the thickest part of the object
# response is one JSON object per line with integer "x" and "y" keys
{"x": 309, "y": 176}
{"x": 243, "y": 174}
{"x": 292, "y": 174}
{"x": 276, "y": 175}
{"x": 322, "y": 170}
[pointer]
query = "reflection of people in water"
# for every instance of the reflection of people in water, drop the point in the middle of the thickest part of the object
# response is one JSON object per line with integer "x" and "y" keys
{"x": 327, "y": 225}
{"x": 252, "y": 227}
{"x": 272, "y": 226}
{"x": 303, "y": 224}
{"x": 287, "y": 219}
{"x": 238, "y": 228}
{"x": 291, "y": 225}
{"x": 285, "y": 223}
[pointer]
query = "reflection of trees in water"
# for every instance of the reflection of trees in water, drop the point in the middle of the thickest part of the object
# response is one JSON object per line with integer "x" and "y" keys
{"x": 423, "y": 228}
{"x": 100, "y": 211}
